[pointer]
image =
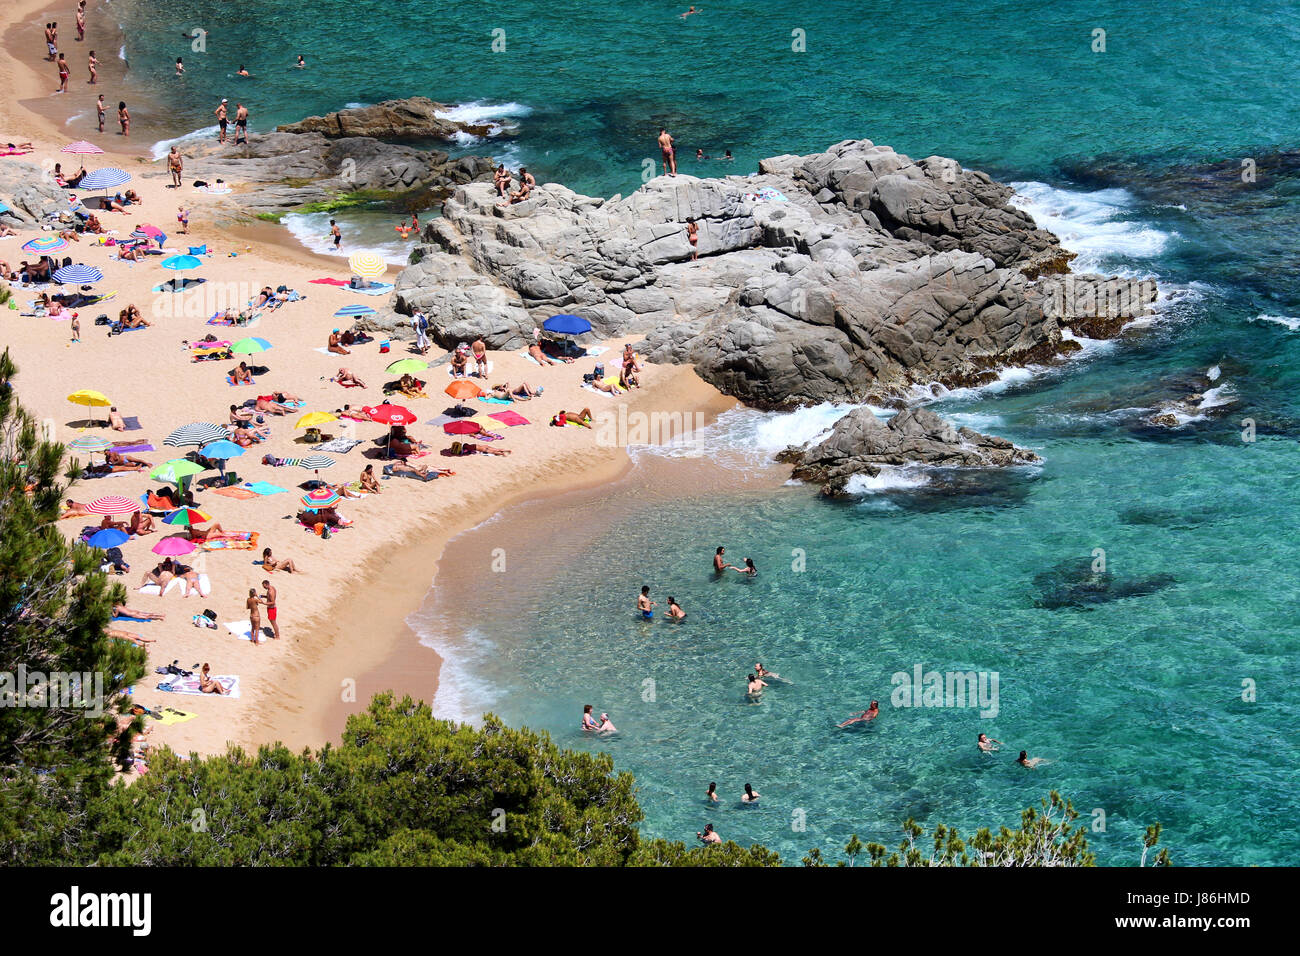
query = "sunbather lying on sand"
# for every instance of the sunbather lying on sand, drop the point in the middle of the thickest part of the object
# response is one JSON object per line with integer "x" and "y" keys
{"x": 417, "y": 471}
{"x": 345, "y": 377}
{"x": 121, "y": 610}
{"x": 542, "y": 358}
{"x": 249, "y": 436}
{"x": 519, "y": 393}
{"x": 268, "y": 404}
{"x": 347, "y": 411}
{"x": 582, "y": 418}
{"x": 326, "y": 516}
{"x": 469, "y": 448}
{"x": 117, "y": 458}
{"x": 139, "y": 640}
{"x": 199, "y": 535}
{"x": 160, "y": 575}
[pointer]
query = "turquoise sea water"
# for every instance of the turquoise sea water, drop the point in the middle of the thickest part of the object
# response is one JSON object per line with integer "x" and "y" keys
{"x": 1133, "y": 155}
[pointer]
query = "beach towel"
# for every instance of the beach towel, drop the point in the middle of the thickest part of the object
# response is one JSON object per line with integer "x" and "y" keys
{"x": 243, "y": 630}
{"x": 215, "y": 190}
{"x": 375, "y": 288}
{"x": 231, "y": 381}
{"x": 263, "y": 488}
{"x": 178, "y": 584}
{"x": 340, "y": 445}
{"x": 388, "y": 471}
{"x": 129, "y": 449}
{"x": 493, "y": 400}
{"x": 190, "y": 685}
{"x": 133, "y": 620}
{"x": 233, "y": 541}
{"x": 329, "y": 281}
{"x": 471, "y": 369}
{"x": 510, "y": 418}
{"x": 220, "y": 319}
{"x": 132, "y": 423}
{"x": 241, "y": 494}
{"x": 170, "y": 716}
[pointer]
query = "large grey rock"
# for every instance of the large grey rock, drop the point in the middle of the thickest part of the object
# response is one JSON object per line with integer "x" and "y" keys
{"x": 30, "y": 192}
{"x": 407, "y": 120}
{"x": 860, "y": 443}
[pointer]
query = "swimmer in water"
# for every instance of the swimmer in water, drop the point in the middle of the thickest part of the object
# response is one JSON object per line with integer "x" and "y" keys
{"x": 719, "y": 565}
{"x": 712, "y": 793}
{"x": 689, "y": 12}
{"x": 708, "y": 836}
{"x": 749, "y": 796}
{"x": 762, "y": 671}
{"x": 588, "y": 722}
{"x": 871, "y": 713}
{"x": 748, "y": 568}
{"x": 986, "y": 743}
{"x": 1027, "y": 761}
{"x": 675, "y": 610}
{"x": 301, "y": 62}
{"x": 755, "y": 688}
{"x": 606, "y": 725}
{"x": 645, "y": 605}
{"x": 242, "y": 71}
{"x": 403, "y": 229}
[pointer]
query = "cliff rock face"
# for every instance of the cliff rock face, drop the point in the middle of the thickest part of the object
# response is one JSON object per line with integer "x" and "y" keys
{"x": 860, "y": 443}
{"x": 850, "y": 275}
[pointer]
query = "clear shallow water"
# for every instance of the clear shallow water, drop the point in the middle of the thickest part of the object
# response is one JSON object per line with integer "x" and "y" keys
{"x": 1136, "y": 700}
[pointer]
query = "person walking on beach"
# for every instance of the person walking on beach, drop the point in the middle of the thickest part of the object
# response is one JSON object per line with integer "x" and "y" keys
{"x": 254, "y": 606}
{"x": 421, "y": 325}
{"x": 64, "y": 71}
{"x": 182, "y": 214}
{"x": 81, "y": 21}
{"x": 76, "y": 333}
{"x": 645, "y": 605}
{"x": 220, "y": 114}
{"x": 669, "y": 153}
{"x": 51, "y": 42}
{"x": 336, "y": 233}
{"x": 241, "y": 124}
{"x": 123, "y": 118}
{"x": 870, "y": 714}
{"x": 100, "y": 109}
{"x": 94, "y": 72}
{"x": 175, "y": 165}
{"x": 269, "y": 600}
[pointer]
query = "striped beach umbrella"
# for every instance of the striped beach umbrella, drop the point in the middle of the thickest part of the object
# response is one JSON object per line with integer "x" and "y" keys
{"x": 196, "y": 434}
{"x": 368, "y": 265}
{"x": 187, "y": 517}
{"x": 78, "y": 275}
{"x": 108, "y": 538}
{"x": 353, "y": 311}
{"x": 316, "y": 462}
{"x": 113, "y": 505}
{"x": 250, "y": 346}
{"x": 89, "y": 444}
{"x": 105, "y": 178}
{"x": 81, "y": 148}
{"x": 43, "y": 244}
{"x": 320, "y": 498}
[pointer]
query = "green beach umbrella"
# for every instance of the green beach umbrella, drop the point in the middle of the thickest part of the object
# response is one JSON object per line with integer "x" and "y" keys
{"x": 250, "y": 346}
{"x": 407, "y": 366}
{"x": 176, "y": 470}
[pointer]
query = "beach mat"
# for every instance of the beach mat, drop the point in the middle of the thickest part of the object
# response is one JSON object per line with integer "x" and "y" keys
{"x": 242, "y": 541}
{"x": 190, "y": 685}
{"x": 132, "y": 424}
{"x": 329, "y": 281}
{"x": 132, "y": 449}
{"x": 172, "y": 716}
{"x": 511, "y": 418}
{"x": 493, "y": 400}
{"x": 263, "y": 488}
{"x": 240, "y": 494}
{"x": 178, "y": 584}
{"x": 376, "y": 288}
{"x": 244, "y": 630}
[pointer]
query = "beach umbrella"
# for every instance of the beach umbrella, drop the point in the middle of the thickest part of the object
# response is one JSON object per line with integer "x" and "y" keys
{"x": 353, "y": 311}
{"x": 113, "y": 505}
{"x": 196, "y": 434}
{"x": 105, "y": 178}
{"x": 81, "y": 148}
{"x": 187, "y": 517}
{"x": 176, "y": 470}
{"x": 462, "y": 427}
{"x": 567, "y": 325}
{"x": 314, "y": 419}
{"x": 179, "y": 263}
{"x": 390, "y": 415}
{"x": 43, "y": 244}
{"x": 108, "y": 538}
{"x": 173, "y": 546}
{"x": 153, "y": 232}
{"x": 368, "y": 265}
{"x": 320, "y": 498}
{"x": 221, "y": 450}
{"x": 316, "y": 462}
{"x": 408, "y": 366}
{"x": 89, "y": 398}
{"x": 250, "y": 346}
{"x": 78, "y": 275}
{"x": 89, "y": 444}
{"x": 463, "y": 390}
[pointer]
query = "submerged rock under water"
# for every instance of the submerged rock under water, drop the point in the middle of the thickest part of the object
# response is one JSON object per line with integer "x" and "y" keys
{"x": 1074, "y": 584}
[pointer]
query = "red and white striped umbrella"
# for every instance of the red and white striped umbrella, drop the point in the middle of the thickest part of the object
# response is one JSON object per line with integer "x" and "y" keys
{"x": 81, "y": 147}
{"x": 113, "y": 505}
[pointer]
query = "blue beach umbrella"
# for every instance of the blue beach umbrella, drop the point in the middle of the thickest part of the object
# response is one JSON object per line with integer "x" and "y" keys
{"x": 181, "y": 263}
{"x": 567, "y": 325}
{"x": 105, "y": 178}
{"x": 352, "y": 311}
{"x": 221, "y": 450}
{"x": 78, "y": 275}
{"x": 108, "y": 538}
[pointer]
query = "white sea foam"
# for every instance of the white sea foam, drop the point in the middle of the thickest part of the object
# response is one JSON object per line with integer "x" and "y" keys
{"x": 1290, "y": 321}
{"x": 74, "y": 118}
{"x": 313, "y": 231}
{"x": 463, "y": 694}
{"x": 161, "y": 148}
{"x": 1091, "y": 224}
{"x": 482, "y": 112}
{"x": 891, "y": 478}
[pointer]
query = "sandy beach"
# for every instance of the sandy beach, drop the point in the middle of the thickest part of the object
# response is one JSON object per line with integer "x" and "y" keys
{"x": 343, "y": 617}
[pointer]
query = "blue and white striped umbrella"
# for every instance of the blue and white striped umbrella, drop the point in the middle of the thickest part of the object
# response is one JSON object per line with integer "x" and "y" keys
{"x": 78, "y": 275}
{"x": 350, "y": 311}
{"x": 105, "y": 178}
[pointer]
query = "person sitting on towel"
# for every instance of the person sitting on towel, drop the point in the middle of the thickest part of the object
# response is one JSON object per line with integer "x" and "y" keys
{"x": 207, "y": 685}
{"x": 345, "y": 377}
{"x": 241, "y": 375}
{"x": 140, "y": 524}
{"x": 336, "y": 344}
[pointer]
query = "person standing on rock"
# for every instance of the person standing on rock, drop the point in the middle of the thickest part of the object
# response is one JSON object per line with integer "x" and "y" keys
{"x": 669, "y": 153}
{"x": 693, "y": 237}
{"x": 220, "y": 114}
{"x": 241, "y": 124}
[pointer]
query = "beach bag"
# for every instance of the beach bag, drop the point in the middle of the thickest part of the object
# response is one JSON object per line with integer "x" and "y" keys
{"x": 589, "y": 377}
{"x": 422, "y": 323}
{"x": 598, "y": 371}
{"x": 457, "y": 448}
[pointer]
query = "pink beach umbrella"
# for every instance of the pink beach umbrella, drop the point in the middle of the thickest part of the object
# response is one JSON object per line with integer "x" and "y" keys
{"x": 81, "y": 148}
{"x": 113, "y": 505}
{"x": 173, "y": 546}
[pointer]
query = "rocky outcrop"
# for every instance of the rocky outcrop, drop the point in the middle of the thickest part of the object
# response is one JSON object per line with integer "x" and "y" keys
{"x": 407, "y": 120}
{"x": 29, "y": 192}
{"x": 860, "y": 444}
{"x": 856, "y": 274}
{"x": 288, "y": 170}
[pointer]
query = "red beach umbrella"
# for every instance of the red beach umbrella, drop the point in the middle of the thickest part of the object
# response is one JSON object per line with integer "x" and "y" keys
{"x": 461, "y": 427}
{"x": 391, "y": 415}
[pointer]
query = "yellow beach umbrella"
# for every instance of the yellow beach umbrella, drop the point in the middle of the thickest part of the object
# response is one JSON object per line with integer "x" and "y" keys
{"x": 368, "y": 265}
{"x": 315, "y": 419}
{"x": 89, "y": 398}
